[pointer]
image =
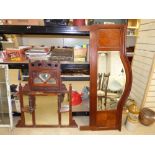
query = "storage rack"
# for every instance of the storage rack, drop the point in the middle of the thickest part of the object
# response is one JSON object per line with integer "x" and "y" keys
{"x": 50, "y": 30}
{"x": 46, "y": 30}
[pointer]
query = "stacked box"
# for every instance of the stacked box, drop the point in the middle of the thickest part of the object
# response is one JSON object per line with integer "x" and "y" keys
{"x": 80, "y": 54}
{"x": 23, "y": 22}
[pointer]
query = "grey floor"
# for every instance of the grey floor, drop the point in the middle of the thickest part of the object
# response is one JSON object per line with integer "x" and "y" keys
{"x": 80, "y": 120}
{"x": 140, "y": 130}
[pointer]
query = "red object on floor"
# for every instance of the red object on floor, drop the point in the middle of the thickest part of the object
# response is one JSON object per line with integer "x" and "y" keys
{"x": 78, "y": 22}
{"x": 76, "y": 98}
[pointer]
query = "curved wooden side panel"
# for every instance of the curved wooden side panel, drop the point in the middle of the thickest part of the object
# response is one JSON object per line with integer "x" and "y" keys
{"x": 128, "y": 84}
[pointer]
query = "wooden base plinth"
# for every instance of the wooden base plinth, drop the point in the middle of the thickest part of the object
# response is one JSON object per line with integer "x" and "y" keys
{"x": 95, "y": 128}
{"x": 22, "y": 125}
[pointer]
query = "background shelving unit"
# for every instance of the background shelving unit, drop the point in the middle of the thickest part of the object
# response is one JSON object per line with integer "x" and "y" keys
{"x": 66, "y": 32}
{"x": 131, "y": 37}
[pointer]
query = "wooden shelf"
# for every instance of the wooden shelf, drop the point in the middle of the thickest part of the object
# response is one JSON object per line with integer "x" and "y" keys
{"x": 131, "y": 35}
{"x": 130, "y": 54}
{"x": 83, "y": 107}
{"x": 132, "y": 27}
{"x": 66, "y": 78}
{"x": 64, "y": 108}
{"x": 133, "y": 23}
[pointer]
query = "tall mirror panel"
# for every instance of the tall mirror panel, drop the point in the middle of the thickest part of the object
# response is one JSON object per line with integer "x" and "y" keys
{"x": 111, "y": 80}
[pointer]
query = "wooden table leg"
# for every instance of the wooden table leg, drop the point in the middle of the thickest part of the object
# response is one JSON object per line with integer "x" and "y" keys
{"x": 70, "y": 105}
{"x": 22, "y": 121}
{"x": 32, "y": 108}
{"x": 59, "y": 108}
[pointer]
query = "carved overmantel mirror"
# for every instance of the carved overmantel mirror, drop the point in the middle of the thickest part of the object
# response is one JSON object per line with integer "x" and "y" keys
{"x": 110, "y": 76}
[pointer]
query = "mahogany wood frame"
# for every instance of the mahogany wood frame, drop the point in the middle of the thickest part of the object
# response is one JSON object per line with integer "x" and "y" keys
{"x": 107, "y": 38}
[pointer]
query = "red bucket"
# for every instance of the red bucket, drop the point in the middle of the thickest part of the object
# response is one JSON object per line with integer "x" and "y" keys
{"x": 76, "y": 98}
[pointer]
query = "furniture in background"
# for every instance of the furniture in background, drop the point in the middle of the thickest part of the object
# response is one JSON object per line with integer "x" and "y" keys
{"x": 103, "y": 92}
{"x": 103, "y": 86}
{"x": 131, "y": 37}
{"x": 71, "y": 72}
{"x": 6, "y": 119}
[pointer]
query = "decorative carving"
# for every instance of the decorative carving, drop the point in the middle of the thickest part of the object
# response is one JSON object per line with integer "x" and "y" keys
{"x": 45, "y": 75}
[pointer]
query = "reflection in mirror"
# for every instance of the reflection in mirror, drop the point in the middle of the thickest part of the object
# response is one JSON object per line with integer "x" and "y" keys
{"x": 44, "y": 76}
{"x": 110, "y": 80}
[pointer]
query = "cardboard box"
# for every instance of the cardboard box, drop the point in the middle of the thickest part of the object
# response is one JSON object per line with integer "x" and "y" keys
{"x": 13, "y": 54}
{"x": 7, "y": 44}
{"x": 80, "y": 52}
{"x": 38, "y": 22}
{"x": 79, "y": 59}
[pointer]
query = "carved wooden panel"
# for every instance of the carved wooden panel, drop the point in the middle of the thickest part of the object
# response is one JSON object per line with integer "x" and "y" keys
{"x": 103, "y": 117}
{"x": 108, "y": 38}
{"x": 45, "y": 75}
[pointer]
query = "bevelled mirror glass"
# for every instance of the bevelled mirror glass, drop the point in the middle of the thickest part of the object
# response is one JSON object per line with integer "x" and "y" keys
{"x": 110, "y": 80}
{"x": 44, "y": 76}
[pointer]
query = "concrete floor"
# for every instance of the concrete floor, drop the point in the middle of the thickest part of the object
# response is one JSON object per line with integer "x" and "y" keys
{"x": 50, "y": 115}
{"x": 81, "y": 120}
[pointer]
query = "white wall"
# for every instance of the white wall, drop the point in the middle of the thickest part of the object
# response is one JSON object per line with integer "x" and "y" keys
{"x": 110, "y": 62}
